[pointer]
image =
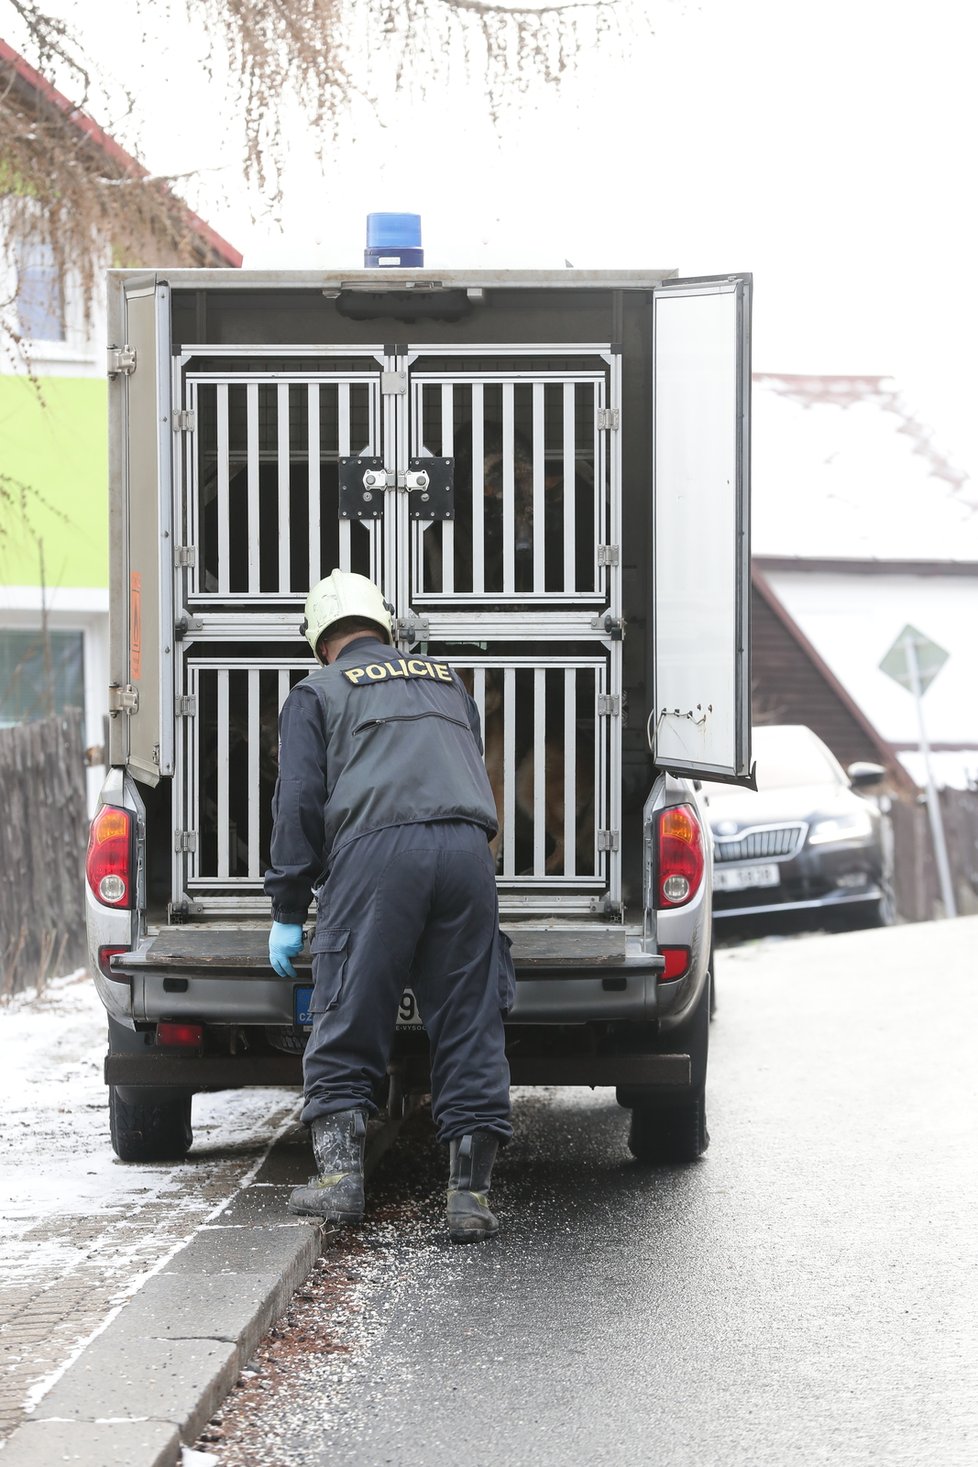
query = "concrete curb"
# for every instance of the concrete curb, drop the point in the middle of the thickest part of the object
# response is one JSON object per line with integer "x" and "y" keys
{"x": 154, "y": 1377}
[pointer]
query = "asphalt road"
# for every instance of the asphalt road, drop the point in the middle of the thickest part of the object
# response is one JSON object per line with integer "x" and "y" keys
{"x": 806, "y": 1293}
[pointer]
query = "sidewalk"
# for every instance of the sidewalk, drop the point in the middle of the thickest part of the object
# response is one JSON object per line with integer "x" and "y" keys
{"x": 130, "y": 1295}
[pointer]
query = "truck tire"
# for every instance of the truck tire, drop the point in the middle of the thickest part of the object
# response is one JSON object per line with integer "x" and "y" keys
{"x": 666, "y": 1130}
{"x": 158, "y": 1130}
{"x": 669, "y": 1133}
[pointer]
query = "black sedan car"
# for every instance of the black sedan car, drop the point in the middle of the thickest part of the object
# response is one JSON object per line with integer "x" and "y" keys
{"x": 805, "y": 841}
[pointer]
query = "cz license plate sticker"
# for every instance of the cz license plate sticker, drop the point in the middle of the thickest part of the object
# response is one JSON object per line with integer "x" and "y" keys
{"x": 408, "y": 1016}
{"x": 743, "y": 878}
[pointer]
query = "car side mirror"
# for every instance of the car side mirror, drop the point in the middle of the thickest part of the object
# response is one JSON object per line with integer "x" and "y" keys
{"x": 862, "y": 774}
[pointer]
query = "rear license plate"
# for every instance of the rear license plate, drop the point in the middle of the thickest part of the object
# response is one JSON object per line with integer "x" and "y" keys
{"x": 742, "y": 878}
{"x": 407, "y": 1010}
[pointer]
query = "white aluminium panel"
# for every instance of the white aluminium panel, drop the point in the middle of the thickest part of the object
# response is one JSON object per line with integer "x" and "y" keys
{"x": 700, "y": 721}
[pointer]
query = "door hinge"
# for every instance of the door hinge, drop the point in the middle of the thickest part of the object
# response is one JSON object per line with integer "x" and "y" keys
{"x": 609, "y": 419}
{"x": 393, "y": 384}
{"x": 185, "y": 706}
{"x": 608, "y": 554}
{"x": 184, "y": 840}
{"x": 120, "y": 361}
{"x": 186, "y": 623}
{"x": 185, "y": 555}
{"x": 609, "y": 705}
{"x": 123, "y": 700}
{"x": 608, "y": 840}
{"x": 184, "y": 420}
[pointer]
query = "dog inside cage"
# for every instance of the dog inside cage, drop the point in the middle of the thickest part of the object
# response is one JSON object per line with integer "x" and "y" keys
{"x": 529, "y": 495}
{"x": 542, "y": 753}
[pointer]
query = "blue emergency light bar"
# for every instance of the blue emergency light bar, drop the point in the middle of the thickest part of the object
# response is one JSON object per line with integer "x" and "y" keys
{"x": 393, "y": 239}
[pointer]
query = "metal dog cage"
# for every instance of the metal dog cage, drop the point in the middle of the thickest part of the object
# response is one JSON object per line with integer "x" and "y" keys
{"x": 481, "y": 488}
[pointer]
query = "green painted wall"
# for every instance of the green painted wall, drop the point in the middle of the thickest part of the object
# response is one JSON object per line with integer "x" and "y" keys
{"x": 58, "y": 449}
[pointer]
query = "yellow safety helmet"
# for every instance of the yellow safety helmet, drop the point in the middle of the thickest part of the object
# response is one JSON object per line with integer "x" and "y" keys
{"x": 342, "y": 594}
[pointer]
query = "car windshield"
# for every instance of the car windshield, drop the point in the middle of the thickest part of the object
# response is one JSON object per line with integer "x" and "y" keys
{"x": 786, "y": 756}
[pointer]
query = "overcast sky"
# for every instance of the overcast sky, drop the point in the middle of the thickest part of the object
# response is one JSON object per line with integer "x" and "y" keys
{"x": 827, "y": 147}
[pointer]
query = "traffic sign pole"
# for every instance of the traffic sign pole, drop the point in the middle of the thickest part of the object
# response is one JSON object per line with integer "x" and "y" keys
{"x": 933, "y": 804}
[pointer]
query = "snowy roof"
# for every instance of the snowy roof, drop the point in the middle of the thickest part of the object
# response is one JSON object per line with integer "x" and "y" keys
{"x": 843, "y": 469}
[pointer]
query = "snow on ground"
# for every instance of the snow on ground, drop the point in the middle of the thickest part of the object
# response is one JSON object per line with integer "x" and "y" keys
{"x": 80, "y": 1231}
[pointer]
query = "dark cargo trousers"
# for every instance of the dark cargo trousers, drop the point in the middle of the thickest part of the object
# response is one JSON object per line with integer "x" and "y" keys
{"x": 414, "y": 906}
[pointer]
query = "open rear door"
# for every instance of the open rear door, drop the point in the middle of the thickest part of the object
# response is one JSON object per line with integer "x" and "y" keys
{"x": 699, "y": 724}
{"x": 141, "y": 397}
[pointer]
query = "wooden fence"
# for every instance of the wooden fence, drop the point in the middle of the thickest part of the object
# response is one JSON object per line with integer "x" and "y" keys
{"x": 43, "y": 834}
{"x": 918, "y": 894}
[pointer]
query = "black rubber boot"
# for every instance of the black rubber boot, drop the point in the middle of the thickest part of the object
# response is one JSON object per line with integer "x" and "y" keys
{"x": 336, "y": 1194}
{"x": 471, "y": 1159}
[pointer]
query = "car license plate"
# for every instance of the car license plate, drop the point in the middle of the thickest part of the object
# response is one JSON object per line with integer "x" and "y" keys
{"x": 742, "y": 878}
{"x": 407, "y": 1010}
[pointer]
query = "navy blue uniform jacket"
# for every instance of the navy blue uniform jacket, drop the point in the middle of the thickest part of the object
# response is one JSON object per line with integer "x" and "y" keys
{"x": 376, "y": 739}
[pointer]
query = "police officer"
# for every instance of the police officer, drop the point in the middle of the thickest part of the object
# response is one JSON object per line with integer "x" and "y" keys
{"x": 383, "y": 804}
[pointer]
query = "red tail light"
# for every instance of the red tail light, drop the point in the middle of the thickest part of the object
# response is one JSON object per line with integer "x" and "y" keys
{"x": 677, "y": 963}
{"x": 105, "y": 956}
{"x": 180, "y": 1036}
{"x": 680, "y": 855}
{"x": 109, "y": 864}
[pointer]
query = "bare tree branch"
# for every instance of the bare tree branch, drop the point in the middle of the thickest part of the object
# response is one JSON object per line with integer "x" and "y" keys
{"x": 66, "y": 185}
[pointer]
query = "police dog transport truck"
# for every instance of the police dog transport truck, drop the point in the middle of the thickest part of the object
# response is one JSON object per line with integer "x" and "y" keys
{"x": 547, "y": 475}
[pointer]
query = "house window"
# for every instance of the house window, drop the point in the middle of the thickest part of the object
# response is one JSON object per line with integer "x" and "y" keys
{"x": 40, "y": 292}
{"x": 40, "y": 676}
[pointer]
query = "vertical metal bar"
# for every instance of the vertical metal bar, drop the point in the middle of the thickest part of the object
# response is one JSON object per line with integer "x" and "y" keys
{"x": 254, "y": 772}
{"x": 377, "y": 529}
{"x": 615, "y": 774}
{"x": 612, "y": 476}
{"x": 538, "y": 528}
{"x": 478, "y": 489}
{"x": 195, "y": 574}
{"x": 602, "y": 863}
{"x": 570, "y": 491}
{"x": 479, "y": 694}
{"x": 419, "y": 394}
{"x": 395, "y": 581}
{"x": 539, "y": 771}
{"x": 343, "y": 449}
{"x": 570, "y": 771}
{"x": 223, "y": 863}
{"x": 223, "y": 476}
{"x": 448, "y": 450}
{"x": 284, "y": 508}
{"x": 314, "y": 462}
{"x": 509, "y": 540}
{"x": 509, "y": 771}
{"x": 400, "y": 408}
{"x": 181, "y": 770}
{"x": 191, "y": 806}
{"x": 254, "y": 509}
{"x": 284, "y": 684}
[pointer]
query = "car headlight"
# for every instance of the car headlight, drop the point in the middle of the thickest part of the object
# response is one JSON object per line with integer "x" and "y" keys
{"x": 855, "y": 826}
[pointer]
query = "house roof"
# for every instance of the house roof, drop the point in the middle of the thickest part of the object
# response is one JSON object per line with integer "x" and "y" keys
{"x": 792, "y": 683}
{"x": 843, "y": 469}
{"x": 852, "y": 619}
{"x": 30, "y": 85}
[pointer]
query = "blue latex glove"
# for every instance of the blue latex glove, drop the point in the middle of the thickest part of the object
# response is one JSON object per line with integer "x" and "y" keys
{"x": 284, "y": 941}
